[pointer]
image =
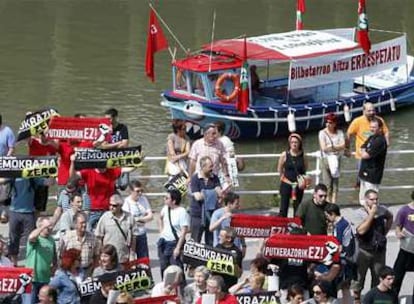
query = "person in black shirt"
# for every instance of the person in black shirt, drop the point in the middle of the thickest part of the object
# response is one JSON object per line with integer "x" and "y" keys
{"x": 226, "y": 242}
{"x": 119, "y": 137}
{"x": 383, "y": 292}
{"x": 107, "y": 283}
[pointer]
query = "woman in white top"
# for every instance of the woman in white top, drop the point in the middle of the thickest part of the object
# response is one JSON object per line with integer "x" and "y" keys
{"x": 332, "y": 145}
{"x": 139, "y": 207}
{"x": 178, "y": 148}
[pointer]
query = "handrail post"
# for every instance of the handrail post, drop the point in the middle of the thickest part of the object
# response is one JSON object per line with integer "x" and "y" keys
{"x": 318, "y": 169}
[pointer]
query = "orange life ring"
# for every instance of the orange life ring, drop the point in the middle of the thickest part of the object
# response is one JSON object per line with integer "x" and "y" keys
{"x": 218, "y": 89}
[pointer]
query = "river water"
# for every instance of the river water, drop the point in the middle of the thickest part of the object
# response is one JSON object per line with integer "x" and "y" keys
{"x": 88, "y": 55}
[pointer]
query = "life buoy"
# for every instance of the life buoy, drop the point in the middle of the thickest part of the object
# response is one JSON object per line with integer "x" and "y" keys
{"x": 219, "y": 90}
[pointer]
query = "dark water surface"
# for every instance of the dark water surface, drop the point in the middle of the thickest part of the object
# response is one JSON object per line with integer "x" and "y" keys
{"x": 87, "y": 55}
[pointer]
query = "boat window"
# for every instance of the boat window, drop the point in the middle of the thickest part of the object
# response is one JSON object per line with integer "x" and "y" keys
{"x": 197, "y": 86}
{"x": 180, "y": 80}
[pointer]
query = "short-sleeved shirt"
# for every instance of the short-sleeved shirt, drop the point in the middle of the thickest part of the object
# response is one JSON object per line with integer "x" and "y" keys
{"x": 313, "y": 217}
{"x": 377, "y": 296}
{"x": 197, "y": 184}
{"x": 215, "y": 151}
{"x": 330, "y": 140}
{"x": 217, "y": 214}
{"x": 405, "y": 220}
{"x": 7, "y": 140}
{"x": 360, "y": 128}
{"x": 120, "y": 132}
{"x": 40, "y": 255}
{"x": 111, "y": 234}
{"x": 100, "y": 186}
{"x": 36, "y": 148}
{"x": 23, "y": 194}
{"x": 88, "y": 246}
{"x": 138, "y": 208}
{"x": 179, "y": 219}
{"x": 372, "y": 168}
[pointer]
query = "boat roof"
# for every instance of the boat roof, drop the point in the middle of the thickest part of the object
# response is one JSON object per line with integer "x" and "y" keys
{"x": 280, "y": 47}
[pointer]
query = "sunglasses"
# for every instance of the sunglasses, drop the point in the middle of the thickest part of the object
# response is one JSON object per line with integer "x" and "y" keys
{"x": 322, "y": 195}
{"x": 317, "y": 292}
{"x": 114, "y": 205}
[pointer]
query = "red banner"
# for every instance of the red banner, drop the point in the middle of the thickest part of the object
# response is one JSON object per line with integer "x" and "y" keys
{"x": 300, "y": 10}
{"x": 156, "y": 41}
{"x": 75, "y": 128}
{"x": 261, "y": 226}
{"x": 362, "y": 33}
{"x": 15, "y": 279}
{"x": 320, "y": 248}
{"x": 156, "y": 300}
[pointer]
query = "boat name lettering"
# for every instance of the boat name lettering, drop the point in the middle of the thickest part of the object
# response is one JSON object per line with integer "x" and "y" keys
{"x": 381, "y": 56}
{"x": 310, "y": 71}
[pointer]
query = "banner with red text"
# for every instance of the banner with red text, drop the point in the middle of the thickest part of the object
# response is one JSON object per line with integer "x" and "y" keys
{"x": 318, "y": 248}
{"x": 15, "y": 279}
{"x": 261, "y": 226}
{"x": 337, "y": 67}
{"x": 76, "y": 128}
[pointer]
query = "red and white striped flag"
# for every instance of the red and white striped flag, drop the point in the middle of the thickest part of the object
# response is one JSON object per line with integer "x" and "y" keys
{"x": 300, "y": 10}
{"x": 362, "y": 32}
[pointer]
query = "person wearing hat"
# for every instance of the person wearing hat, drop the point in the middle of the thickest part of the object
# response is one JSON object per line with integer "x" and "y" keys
{"x": 292, "y": 165}
{"x": 332, "y": 145}
{"x": 107, "y": 281}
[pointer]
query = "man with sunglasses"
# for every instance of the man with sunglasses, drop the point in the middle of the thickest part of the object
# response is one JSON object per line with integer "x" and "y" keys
{"x": 312, "y": 212}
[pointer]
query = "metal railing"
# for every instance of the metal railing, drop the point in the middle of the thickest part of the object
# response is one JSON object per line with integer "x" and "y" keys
{"x": 156, "y": 179}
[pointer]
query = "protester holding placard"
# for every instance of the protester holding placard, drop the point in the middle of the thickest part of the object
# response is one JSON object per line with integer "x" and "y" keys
{"x": 226, "y": 242}
{"x": 107, "y": 281}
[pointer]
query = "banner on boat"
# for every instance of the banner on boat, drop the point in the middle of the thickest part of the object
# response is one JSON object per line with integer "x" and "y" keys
{"x": 15, "y": 280}
{"x": 217, "y": 260}
{"x": 321, "y": 248}
{"x": 108, "y": 158}
{"x": 76, "y": 128}
{"x": 138, "y": 279}
{"x": 338, "y": 67}
{"x": 264, "y": 297}
{"x": 35, "y": 123}
{"x": 261, "y": 226}
{"x": 28, "y": 166}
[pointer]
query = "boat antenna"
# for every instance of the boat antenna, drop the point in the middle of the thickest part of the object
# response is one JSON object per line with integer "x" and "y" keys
{"x": 168, "y": 29}
{"x": 212, "y": 39}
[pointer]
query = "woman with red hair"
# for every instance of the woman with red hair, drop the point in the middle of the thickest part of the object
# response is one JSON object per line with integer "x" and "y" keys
{"x": 65, "y": 279}
{"x": 332, "y": 145}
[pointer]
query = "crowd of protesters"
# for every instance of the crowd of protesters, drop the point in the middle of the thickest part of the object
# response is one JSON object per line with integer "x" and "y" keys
{"x": 96, "y": 230}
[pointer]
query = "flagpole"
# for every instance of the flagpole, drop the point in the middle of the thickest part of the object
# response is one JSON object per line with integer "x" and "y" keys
{"x": 168, "y": 29}
{"x": 212, "y": 39}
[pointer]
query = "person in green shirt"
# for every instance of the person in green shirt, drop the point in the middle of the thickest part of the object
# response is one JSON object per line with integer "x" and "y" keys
{"x": 41, "y": 255}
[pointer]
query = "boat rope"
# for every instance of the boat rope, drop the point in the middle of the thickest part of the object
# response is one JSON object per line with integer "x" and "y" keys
{"x": 169, "y": 30}
{"x": 212, "y": 40}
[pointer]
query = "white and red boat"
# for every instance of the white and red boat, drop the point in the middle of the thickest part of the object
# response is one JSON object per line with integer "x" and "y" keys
{"x": 304, "y": 75}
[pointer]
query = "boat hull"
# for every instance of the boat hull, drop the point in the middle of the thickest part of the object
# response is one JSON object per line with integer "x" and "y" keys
{"x": 267, "y": 121}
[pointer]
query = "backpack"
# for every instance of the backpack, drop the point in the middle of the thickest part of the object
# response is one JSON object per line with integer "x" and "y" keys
{"x": 350, "y": 245}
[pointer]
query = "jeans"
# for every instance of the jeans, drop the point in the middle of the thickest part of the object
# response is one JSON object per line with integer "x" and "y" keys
{"x": 93, "y": 219}
{"x": 197, "y": 230}
{"x": 285, "y": 194}
{"x": 373, "y": 261}
{"x": 141, "y": 247}
{"x": 165, "y": 255}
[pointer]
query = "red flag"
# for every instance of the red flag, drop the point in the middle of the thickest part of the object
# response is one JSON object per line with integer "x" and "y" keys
{"x": 362, "y": 33}
{"x": 156, "y": 41}
{"x": 300, "y": 9}
{"x": 243, "y": 101}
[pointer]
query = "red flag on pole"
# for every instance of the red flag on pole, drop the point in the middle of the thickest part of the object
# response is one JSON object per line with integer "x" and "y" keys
{"x": 243, "y": 101}
{"x": 156, "y": 41}
{"x": 362, "y": 33}
{"x": 300, "y": 9}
